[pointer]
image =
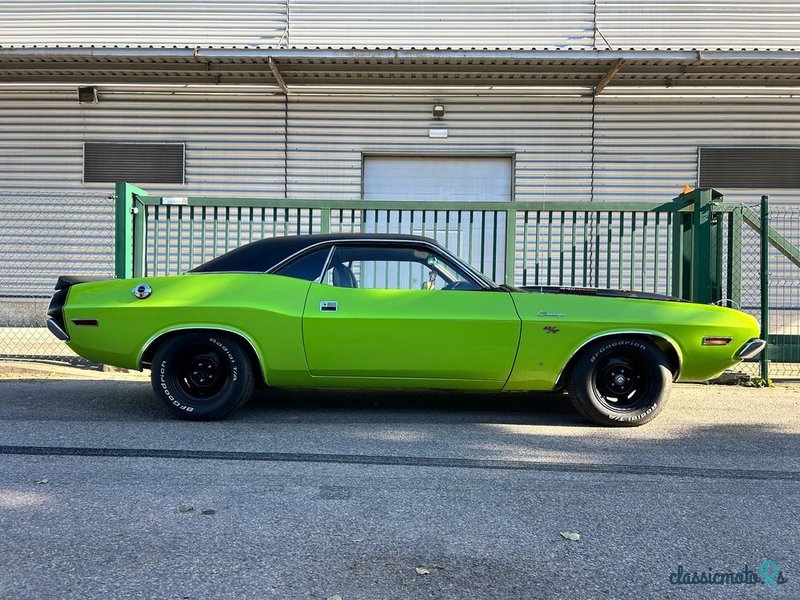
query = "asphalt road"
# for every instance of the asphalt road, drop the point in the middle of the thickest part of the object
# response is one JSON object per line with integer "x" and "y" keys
{"x": 318, "y": 494}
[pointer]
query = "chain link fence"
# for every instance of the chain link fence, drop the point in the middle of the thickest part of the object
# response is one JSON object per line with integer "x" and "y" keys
{"x": 43, "y": 236}
{"x": 784, "y": 293}
{"x": 740, "y": 258}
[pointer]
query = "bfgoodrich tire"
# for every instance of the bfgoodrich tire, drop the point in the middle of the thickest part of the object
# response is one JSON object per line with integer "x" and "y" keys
{"x": 202, "y": 376}
{"x": 621, "y": 382}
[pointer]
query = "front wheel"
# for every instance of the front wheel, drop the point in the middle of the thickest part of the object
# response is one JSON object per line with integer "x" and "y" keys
{"x": 620, "y": 382}
{"x": 202, "y": 376}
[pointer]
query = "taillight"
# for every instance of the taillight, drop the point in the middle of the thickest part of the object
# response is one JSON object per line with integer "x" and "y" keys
{"x": 716, "y": 341}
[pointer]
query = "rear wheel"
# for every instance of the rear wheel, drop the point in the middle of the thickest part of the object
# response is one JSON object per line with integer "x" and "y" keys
{"x": 202, "y": 375}
{"x": 620, "y": 382}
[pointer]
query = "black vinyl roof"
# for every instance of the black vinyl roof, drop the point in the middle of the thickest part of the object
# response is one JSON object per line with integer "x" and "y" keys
{"x": 261, "y": 256}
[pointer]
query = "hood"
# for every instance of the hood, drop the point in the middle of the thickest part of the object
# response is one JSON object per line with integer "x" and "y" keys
{"x": 605, "y": 292}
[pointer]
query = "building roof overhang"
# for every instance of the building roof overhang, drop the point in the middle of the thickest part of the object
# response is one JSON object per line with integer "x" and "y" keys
{"x": 299, "y": 69}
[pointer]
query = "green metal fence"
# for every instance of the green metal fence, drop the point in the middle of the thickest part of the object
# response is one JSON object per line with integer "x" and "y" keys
{"x": 695, "y": 247}
{"x": 621, "y": 245}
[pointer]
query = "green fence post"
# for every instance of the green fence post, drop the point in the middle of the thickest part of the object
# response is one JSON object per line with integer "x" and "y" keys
{"x": 325, "y": 221}
{"x": 123, "y": 228}
{"x": 734, "y": 283}
{"x": 765, "y": 285}
{"x": 681, "y": 252}
{"x": 511, "y": 246}
{"x": 139, "y": 229}
{"x": 715, "y": 279}
{"x": 701, "y": 248}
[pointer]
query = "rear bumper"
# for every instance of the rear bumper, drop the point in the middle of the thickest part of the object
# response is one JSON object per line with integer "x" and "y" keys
{"x": 751, "y": 349}
{"x": 56, "y": 330}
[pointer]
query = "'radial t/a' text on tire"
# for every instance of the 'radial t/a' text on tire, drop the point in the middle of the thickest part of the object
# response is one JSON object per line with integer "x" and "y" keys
{"x": 202, "y": 375}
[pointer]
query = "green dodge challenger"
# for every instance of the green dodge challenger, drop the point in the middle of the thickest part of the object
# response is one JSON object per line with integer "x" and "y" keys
{"x": 391, "y": 311}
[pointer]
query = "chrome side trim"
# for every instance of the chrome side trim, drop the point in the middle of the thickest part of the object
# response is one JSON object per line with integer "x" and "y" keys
{"x": 599, "y": 336}
{"x": 53, "y": 327}
{"x": 204, "y": 328}
{"x": 291, "y": 257}
{"x": 325, "y": 264}
{"x": 751, "y": 349}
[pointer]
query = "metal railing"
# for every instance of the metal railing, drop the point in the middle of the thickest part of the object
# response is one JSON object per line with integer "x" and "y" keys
{"x": 627, "y": 245}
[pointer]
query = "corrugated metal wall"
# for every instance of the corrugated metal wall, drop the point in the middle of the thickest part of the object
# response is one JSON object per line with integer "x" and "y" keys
{"x": 443, "y": 23}
{"x": 161, "y": 22}
{"x": 767, "y": 24}
{"x": 52, "y": 224}
{"x": 551, "y": 138}
{"x": 647, "y": 146}
{"x": 701, "y": 24}
{"x": 234, "y": 142}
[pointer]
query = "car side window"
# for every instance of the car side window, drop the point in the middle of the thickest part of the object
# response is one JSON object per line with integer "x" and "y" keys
{"x": 394, "y": 268}
{"x": 308, "y": 266}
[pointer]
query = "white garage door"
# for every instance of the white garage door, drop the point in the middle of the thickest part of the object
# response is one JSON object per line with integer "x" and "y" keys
{"x": 477, "y": 236}
{"x": 420, "y": 178}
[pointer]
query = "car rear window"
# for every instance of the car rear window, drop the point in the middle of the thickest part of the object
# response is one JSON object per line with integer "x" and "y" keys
{"x": 255, "y": 257}
{"x": 308, "y": 267}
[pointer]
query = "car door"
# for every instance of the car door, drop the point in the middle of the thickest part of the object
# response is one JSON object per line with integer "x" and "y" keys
{"x": 406, "y": 312}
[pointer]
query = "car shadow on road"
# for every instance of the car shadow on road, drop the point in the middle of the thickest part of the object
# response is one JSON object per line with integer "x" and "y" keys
{"x": 104, "y": 400}
{"x": 413, "y": 406}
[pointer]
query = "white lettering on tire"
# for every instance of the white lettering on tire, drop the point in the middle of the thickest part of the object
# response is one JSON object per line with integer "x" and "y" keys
{"x": 167, "y": 393}
{"x": 224, "y": 348}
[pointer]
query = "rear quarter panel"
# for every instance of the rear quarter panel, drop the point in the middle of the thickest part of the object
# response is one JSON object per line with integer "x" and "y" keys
{"x": 265, "y": 309}
{"x": 556, "y": 326}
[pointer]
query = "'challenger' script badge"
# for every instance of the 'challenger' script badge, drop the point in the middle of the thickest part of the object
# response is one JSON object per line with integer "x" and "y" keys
{"x": 544, "y": 313}
{"x": 551, "y": 329}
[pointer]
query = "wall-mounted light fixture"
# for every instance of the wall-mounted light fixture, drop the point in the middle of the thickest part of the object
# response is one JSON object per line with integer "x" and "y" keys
{"x": 438, "y": 111}
{"x": 87, "y": 95}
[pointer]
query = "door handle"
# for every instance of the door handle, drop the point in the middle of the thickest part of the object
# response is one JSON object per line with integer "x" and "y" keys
{"x": 328, "y": 306}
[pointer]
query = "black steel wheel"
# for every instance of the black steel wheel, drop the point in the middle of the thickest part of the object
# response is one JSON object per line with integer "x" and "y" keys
{"x": 620, "y": 381}
{"x": 202, "y": 375}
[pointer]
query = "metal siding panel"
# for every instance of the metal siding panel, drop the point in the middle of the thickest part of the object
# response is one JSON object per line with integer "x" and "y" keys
{"x": 234, "y": 143}
{"x": 442, "y": 23}
{"x": 549, "y": 137}
{"x": 167, "y": 22}
{"x": 51, "y": 223}
{"x": 700, "y": 24}
{"x": 646, "y": 148}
